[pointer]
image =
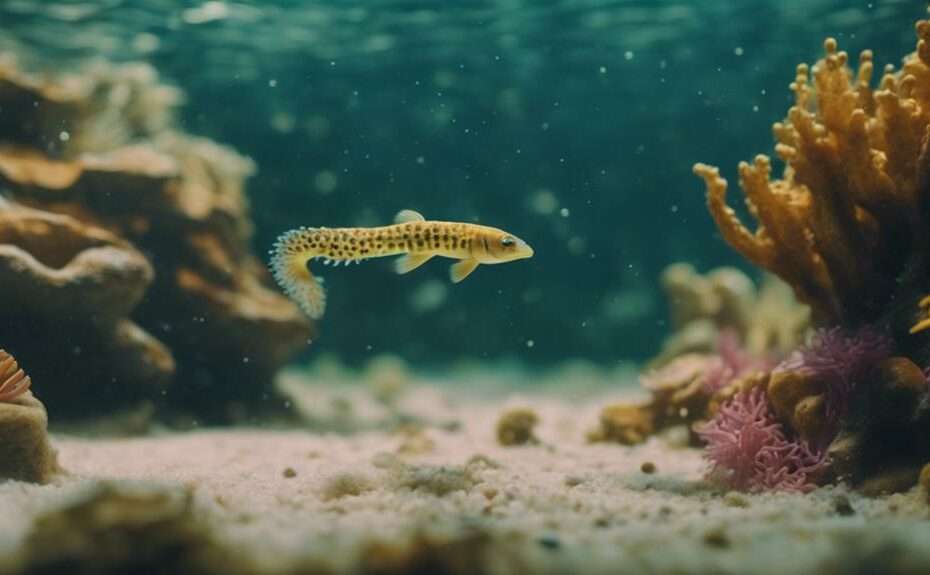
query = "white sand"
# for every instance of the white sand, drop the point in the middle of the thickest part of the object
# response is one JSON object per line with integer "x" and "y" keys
{"x": 562, "y": 506}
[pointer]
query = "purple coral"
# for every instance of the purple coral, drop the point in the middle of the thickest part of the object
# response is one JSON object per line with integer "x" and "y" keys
{"x": 840, "y": 359}
{"x": 749, "y": 451}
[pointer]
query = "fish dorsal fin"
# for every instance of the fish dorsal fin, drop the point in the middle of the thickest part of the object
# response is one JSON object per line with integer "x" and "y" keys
{"x": 405, "y": 216}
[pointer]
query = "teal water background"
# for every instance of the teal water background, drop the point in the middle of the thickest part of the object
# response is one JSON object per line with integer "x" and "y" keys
{"x": 573, "y": 124}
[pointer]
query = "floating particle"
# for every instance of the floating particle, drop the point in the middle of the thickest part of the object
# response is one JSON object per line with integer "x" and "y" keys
{"x": 325, "y": 182}
{"x": 283, "y": 122}
{"x": 317, "y": 127}
{"x": 544, "y": 202}
{"x": 206, "y": 12}
{"x": 577, "y": 246}
{"x": 429, "y": 296}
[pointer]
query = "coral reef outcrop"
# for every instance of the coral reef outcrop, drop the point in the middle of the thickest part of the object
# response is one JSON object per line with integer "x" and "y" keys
{"x": 724, "y": 330}
{"x": 846, "y": 227}
{"x": 124, "y": 245}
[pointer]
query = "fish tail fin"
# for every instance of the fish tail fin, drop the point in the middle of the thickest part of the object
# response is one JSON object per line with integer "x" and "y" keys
{"x": 289, "y": 258}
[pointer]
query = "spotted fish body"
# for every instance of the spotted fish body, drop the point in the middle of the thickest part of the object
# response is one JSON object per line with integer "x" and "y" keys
{"x": 414, "y": 238}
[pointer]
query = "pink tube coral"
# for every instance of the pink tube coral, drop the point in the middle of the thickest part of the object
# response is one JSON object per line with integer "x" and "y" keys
{"x": 748, "y": 449}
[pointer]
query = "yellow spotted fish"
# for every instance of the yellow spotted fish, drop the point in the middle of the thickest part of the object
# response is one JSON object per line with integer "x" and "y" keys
{"x": 411, "y": 235}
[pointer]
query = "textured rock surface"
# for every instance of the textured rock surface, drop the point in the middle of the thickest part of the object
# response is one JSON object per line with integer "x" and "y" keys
{"x": 107, "y": 179}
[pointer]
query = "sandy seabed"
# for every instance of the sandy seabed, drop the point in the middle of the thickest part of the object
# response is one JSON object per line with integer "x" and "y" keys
{"x": 444, "y": 498}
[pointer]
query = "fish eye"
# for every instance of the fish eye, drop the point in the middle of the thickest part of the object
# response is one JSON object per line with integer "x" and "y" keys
{"x": 507, "y": 241}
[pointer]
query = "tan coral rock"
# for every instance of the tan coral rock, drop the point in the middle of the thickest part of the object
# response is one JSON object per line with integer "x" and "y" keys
{"x": 845, "y": 452}
{"x": 896, "y": 479}
{"x": 99, "y": 108}
{"x": 767, "y": 319}
{"x": 678, "y": 388}
{"x": 55, "y": 265}
{"x": 904, "y": 384}
{"x": 68, "y": 288}
{"x": 689, "y": 295}
{"x": 25, "y": 451}
{"x": 798, "y": 398}
{"x": 180, "y": 199}
{"x": 626, "y": 423}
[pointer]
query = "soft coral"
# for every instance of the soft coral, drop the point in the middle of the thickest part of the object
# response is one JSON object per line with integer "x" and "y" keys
{"x": 841, "y": 359}
{"x": 748, "y": 448}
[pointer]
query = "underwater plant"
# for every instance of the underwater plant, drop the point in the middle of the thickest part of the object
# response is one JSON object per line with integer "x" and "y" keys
{"x": 13, "y": 380}
{"x": 749, "y": 450}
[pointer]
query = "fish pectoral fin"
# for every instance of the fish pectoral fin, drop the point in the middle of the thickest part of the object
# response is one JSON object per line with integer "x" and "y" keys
{"x": 461, "y": 269}
{"x": 410, "y": 262}
{"x": 405, "y": 216}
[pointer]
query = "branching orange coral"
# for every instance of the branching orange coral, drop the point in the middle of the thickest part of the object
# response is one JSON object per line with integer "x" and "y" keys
{"x": 13, "y": 381}
{"x": 846, "y": 225}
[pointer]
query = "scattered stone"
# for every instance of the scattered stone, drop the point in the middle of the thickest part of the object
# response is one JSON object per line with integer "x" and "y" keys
{"x": 550, "y": 542}
{"x": 345, "y": 485}
{"x": 717, "y": 538}
{"x": 842, "y": 506}
{"x": 515, "y": 427}
{"x": 626, "y": 423}
{"x": 735, "y": 499}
